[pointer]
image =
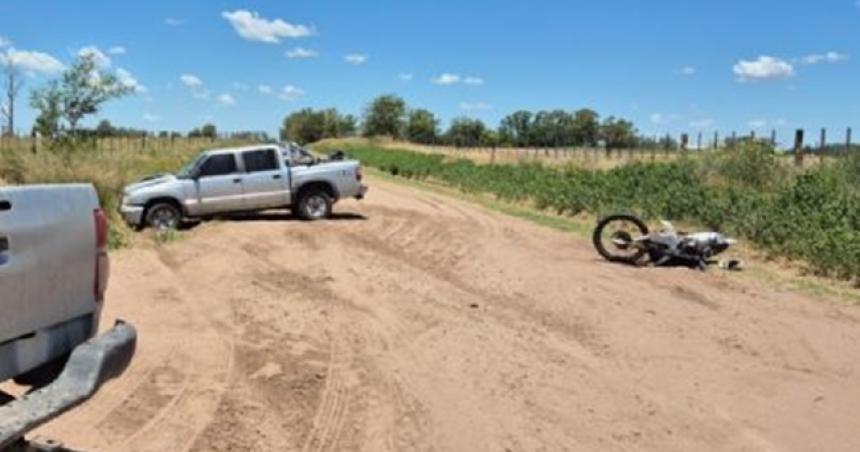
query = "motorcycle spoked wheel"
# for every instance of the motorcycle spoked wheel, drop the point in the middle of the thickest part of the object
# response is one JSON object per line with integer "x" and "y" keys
{"x": 613, "y": 238}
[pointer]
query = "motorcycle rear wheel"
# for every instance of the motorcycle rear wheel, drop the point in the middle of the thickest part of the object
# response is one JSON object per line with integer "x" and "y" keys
{"x": 618, "y": 246}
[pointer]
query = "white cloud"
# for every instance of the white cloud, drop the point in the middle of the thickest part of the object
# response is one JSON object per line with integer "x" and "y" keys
{"x": 117, "y": 50}
{"x": 31, "y": 62}
{"x": 405, "y": 77}
{"x": 173, "y": 22}
{"x": 660, "y": 118}
{"x": 98, "y": 56}
{"x": 301, "y": 53}
{"x": 688, "y": 70}
{"x": 252, "y": 27}
{"x": 472, "y": 106}
{"x": 226, "y": 99}
{"x": 763, "y": 68}
{"x": 290, "y": 92}
{"x": 471, "y": 80}
{"x": 149, "y": 117}
{"x": 264, "y": 89}
{"x": 703, "y": 123}
{"x": 126, "y": 79}
{"x": 355, "y": 58}
{"x": 447, "y": 79}
{"x": 4, "y": 42}
{"x": 757, "y": 123}
{"x": 828, "y": 57}
{"x": 191, "y": 80}
{"x": 194, "y": 83}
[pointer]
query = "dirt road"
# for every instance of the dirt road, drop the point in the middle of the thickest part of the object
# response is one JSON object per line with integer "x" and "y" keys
{"x": 421, "y": 323}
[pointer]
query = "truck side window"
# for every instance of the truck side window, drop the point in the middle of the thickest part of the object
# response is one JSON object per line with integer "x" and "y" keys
{"x": 262, "y": 160}
{"x": 218, "y": 165}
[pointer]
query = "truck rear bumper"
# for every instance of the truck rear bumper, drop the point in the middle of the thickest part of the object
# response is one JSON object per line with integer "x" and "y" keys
{"x": 90, "y": 365}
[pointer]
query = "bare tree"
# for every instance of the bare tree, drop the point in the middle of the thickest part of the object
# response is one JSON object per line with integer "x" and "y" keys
{"x": 12, "y": 85}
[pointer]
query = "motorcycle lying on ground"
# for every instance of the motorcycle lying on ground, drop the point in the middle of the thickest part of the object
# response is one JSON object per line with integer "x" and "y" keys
{"x": 625, "y": 238}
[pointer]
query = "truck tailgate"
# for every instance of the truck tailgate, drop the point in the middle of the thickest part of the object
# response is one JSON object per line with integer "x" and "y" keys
{"x": 47, "y": 256}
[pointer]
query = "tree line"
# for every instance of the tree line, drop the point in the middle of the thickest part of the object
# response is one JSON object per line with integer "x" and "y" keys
{"x": 389, "y": 115}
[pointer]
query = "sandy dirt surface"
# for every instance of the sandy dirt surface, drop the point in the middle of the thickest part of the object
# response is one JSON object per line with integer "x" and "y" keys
{"x": 414, "y": 322}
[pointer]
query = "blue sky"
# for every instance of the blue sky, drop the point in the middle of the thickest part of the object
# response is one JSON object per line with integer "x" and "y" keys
{"x": 670, "y": 66}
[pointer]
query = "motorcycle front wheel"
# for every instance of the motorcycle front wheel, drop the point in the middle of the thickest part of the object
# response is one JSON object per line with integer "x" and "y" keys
{"x": 614, "y": 238}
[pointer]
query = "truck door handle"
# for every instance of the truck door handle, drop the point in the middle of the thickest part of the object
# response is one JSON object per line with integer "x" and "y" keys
{"x": 276, "y": 176}
{"x": 4, "y": 244}
{"x": 237, "y": 180}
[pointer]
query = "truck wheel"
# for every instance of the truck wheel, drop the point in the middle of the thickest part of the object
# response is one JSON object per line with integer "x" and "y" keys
{"x": 163, "y": 216}
{"x": 314, "y": 205}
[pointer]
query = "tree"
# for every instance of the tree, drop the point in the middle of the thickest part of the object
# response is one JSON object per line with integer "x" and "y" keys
{"x": 385, "y": 116}
{"x": 81, "y": 91}
{"x": 307, "y": 125}
{"x": 465, "y": 132}
{"x": 586, "y": 127}
{"x": 422, "y": 127}
{"x": 618, "y": 133}
{"x": 209, "y": 131}
{"x": 49, "y": 105}
{"x": 12, "y": 85}
{"x": 515, "y": 129}
{"x": 105, "y": 129}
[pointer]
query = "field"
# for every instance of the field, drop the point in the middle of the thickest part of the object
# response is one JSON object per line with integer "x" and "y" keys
{"x": 415, "y": 320}
{"x": 810, "y": 214}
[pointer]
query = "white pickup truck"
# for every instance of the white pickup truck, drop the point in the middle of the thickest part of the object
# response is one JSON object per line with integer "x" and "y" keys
{"x": 248, "y": 178}
{"x": 53, "y": 274}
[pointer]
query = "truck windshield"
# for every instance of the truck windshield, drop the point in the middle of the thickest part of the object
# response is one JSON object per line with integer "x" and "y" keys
{"x": 186, "y": 170}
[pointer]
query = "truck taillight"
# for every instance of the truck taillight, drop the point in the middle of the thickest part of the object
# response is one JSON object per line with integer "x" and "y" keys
{"x": 102, "y": 263}
{"x": 358, "y": 174}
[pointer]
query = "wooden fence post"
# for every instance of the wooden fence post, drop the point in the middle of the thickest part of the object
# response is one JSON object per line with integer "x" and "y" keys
{"x": 773, "y": 137}
{"x": 716, "y": 140}
{"x": 822, "y": 144}
{"x": 34, "y": 147}
{"x": 798, "y": 147}
{"x": 684, "y": 140}
{"x": 848, "y": 140}
{"x": 699, "y": 141}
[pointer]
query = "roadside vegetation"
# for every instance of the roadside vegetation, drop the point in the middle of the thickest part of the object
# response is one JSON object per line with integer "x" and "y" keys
{"x": 811, "y": 215}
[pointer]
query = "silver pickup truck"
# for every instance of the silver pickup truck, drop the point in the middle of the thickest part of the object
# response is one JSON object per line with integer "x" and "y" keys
{"x": 248, "y": 178}
{"x": 53, "y": 275}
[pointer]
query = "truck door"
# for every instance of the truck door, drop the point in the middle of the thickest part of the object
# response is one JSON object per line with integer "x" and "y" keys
{"x": 219, "y": 184}
{"x": 265, "y": 181}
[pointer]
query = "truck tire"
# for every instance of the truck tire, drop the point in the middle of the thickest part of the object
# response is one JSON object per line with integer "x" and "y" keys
{"x": 314, "y": 204}
{"x": 163, "y": 216}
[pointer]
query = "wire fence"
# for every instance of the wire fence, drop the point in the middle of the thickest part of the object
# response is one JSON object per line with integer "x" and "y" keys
{"x": 663, "y": 147}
